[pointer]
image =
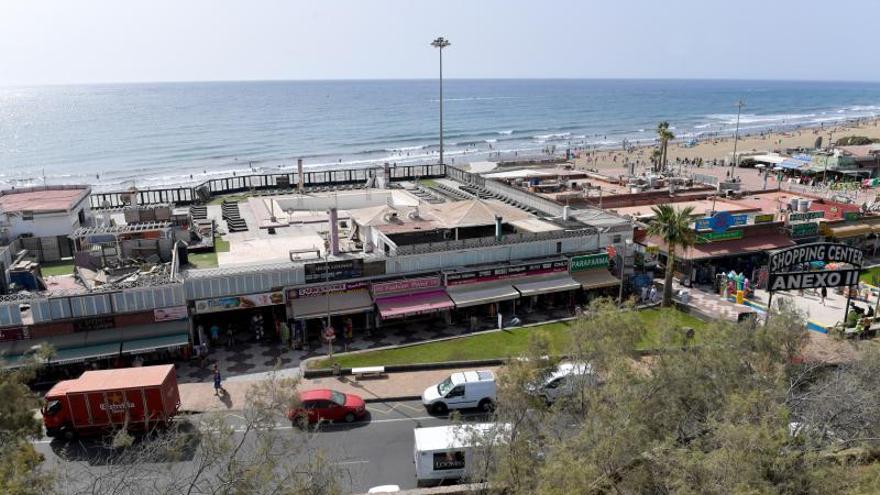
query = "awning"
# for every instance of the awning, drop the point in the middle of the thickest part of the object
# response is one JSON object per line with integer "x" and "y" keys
{"x": 413, "y": 304}
{"x": 79, "y": 354}
{"x": 338, "y": 303}
{"x": 596, "y": 279}
{"x": 143, "y": 346}
{"x": 534, "y": 286}
{"x": 792, "y": 164}
{"x": 475, "y": 294}
{"x": 851, "y": 230}
{"x": 722, "y": 249}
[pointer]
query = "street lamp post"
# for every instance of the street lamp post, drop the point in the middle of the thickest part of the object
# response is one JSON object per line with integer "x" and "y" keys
{"x": 441, "y": 43}
{"x": 739, "y": 106}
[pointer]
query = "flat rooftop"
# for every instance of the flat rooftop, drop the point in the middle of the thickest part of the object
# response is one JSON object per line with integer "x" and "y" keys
{"x": 42, "y": 199}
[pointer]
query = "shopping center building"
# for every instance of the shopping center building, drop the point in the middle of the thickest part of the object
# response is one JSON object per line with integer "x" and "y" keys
{"x": 365, "y": 249}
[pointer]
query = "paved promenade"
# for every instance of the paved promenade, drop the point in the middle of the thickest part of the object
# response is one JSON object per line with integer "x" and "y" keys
{"x": 199, "y": 397}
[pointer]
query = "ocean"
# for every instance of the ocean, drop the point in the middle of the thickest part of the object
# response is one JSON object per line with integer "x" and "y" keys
{"x": 148, "y": 135}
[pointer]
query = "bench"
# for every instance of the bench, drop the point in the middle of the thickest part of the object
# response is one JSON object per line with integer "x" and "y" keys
{"x": 368, "y": 372}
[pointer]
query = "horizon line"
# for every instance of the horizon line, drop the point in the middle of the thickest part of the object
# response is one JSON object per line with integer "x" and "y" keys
{"x": 420, "y": 79}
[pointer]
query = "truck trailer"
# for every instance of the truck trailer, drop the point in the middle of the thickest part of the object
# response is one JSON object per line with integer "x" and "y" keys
{"x": 139, "y": 399}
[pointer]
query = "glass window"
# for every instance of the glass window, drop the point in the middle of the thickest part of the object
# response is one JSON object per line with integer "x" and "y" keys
{"x": 457, "y": 392}
{"x": 337, "y": 398}
{"x": 445, "y": 386}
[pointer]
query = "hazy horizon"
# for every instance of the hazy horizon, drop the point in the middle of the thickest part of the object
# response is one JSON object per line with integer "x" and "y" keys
{"x": 55, "y": 42}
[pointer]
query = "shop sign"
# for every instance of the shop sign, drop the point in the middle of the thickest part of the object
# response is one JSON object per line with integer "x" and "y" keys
{"x": 239, "y": 302}
{"x": 334, "y": 270}
{"x": 817, "y": 251}
{"x": 170, "y": 314}
{"x": 764, "y": 218}
{"x": 320, "y": 290}
{"x": 97, "y": 323}
{"x": 813, "y": 280}
{"x": 10, "y": 334}
{"x": 808, "y": 215}
{"x": 804, "y": 229}
{"x": 720, "y": 222}
{"x": 506, "y": 272}
{"x": 851, "y": 215}
{"x": 589, "y": 261}
{"x": 719, "y": 236}
{"x": 405, "y": 285}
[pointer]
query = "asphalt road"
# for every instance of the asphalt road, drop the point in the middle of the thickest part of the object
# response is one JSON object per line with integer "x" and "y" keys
{"x": 372, "y": 452}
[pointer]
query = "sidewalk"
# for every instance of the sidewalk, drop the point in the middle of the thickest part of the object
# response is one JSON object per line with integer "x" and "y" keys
{"x": 199, "y": 397}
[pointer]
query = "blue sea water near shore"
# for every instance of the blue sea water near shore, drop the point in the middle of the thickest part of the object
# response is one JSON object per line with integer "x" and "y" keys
{"x": 150, "y": 135}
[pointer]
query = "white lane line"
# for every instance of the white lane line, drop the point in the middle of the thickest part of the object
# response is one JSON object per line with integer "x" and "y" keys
{"x": 346, "y": 463}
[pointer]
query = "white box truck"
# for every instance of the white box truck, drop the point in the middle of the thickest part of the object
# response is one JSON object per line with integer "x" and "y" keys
{"x": 453, "y": 452}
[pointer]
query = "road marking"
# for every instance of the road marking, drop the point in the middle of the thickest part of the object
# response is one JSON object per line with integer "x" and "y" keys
{"x": 346, "y": 463}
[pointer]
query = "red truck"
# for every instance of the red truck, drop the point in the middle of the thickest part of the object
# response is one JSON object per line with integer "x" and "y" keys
{"x": 141, "y": 398}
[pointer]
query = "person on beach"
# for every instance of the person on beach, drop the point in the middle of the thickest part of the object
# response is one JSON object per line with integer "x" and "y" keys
{"x": 218, "y": 387}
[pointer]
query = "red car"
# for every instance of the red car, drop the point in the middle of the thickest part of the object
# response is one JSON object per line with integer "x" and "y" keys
{"x": 328, "y": 405}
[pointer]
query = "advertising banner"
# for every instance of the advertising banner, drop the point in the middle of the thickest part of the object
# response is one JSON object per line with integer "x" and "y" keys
{"x": 813, "y": 280}
{"x": 817, "y": 251}
{"x": 405, "y": 285}
{"x": 506, "y": 272}
{"x": 170, "y": 314}
{"x": 589, "y": 262}
{"x": 320, "y": 290}
{"x": 239, "y": 302}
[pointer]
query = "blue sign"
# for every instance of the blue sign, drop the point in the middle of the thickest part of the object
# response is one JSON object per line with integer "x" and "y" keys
{"x": 720, "y": 222}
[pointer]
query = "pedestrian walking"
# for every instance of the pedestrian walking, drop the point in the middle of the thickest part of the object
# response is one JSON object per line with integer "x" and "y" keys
{"x": 215, "y": 334}
{"x": 218, "y": 387}
{"x": 823, "y": 293}
{"x": 348, "y": 331}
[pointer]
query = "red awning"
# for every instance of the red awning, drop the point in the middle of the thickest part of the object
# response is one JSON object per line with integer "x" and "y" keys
{"x": 721, "y": 249}
{"x": 414, "y": 304}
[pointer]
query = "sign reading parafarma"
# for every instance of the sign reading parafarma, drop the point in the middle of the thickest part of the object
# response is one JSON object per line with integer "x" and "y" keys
{"x": 812, "y": 280}
{"x": 818, "y": 251}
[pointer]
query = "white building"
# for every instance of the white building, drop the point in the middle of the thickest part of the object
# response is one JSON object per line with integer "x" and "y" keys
{"x": 44, "y": 211}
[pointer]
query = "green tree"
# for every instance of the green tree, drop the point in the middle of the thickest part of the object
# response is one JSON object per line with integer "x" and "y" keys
{"x": 673, "y": 226}
{"x": 664, "y": 135}
{"x": 20, "y": 463}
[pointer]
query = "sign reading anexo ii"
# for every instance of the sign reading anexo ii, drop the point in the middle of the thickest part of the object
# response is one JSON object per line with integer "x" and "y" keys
{"x": 812, "y": 280}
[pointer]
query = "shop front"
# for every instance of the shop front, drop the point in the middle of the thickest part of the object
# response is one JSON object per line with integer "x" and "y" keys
{"x": 862, "y": 233}
{"x": 252, "y": 317}
{"x": 480, "y": 295}
{"x": 161, "y": 335}
{"x": 347, "y": 306}
{"x": 404, "y": 300}
{"x": 591, "y": 272}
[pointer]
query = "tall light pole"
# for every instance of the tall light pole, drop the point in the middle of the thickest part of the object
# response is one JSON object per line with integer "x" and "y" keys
{"x": 441, "y": 43}
{"x": 739, "y": 106}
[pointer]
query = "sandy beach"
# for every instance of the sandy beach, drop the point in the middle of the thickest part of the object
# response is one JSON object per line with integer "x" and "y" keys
{"x": 721, "y": 148}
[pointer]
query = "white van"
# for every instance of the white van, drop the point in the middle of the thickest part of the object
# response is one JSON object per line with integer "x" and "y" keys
{"x": 462, "y": 390}
{"x": 449, "y": 453}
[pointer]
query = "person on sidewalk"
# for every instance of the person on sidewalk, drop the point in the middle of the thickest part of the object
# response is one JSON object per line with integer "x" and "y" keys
{"x": 823, "y": 293}
{"x": 218, "y": 387}
{"x": 215, "y": 334}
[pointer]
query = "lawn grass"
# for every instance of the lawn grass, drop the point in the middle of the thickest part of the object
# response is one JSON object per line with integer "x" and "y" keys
{"x": 209, "y": 259}
{"x": 54, "y": 268}
{"x": 867, "y": 276}
{"x": 497, "y": 345}
{"x": 230, "y": 197}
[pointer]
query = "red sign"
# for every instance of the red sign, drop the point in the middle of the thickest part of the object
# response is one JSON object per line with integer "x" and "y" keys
{"x": 320, "y": 290}
{"x": 405, "y": 285}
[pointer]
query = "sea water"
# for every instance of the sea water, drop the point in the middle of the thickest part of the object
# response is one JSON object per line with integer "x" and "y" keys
{"x": 149, "y": 135}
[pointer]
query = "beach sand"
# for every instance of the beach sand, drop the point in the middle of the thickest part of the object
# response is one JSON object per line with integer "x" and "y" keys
{"x": 722, "y": 148}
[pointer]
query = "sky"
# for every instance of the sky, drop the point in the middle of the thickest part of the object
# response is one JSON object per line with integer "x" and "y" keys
{"x": 94, "y": 41}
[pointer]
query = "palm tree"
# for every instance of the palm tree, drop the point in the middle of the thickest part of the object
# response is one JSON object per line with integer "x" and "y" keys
{"x": 665, "y": 135}
{"x": 673, "y": 226}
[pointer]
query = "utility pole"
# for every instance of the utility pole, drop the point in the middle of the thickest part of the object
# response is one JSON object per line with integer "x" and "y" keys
{"x": 441, "y": 43}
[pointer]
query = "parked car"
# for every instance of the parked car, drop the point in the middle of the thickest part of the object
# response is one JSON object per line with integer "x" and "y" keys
{"x": 564, "y": 380}
{"x": 328, "y": 405}
{"x": 460, "y": 391}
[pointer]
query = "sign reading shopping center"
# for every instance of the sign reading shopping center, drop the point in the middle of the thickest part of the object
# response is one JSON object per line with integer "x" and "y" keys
{"x": 826, "y": 252}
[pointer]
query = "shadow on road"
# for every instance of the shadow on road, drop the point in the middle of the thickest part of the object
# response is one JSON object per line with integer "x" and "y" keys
{"x": 178, "y": 443}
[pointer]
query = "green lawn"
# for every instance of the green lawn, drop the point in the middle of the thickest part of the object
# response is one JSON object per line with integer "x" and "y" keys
{"x": 209, "y": 259}
{"x": 500, "y": 344}
{"x": 868, "y": 275}
{"x": 57, "y": 268}
{"x": 232, "y": 197}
